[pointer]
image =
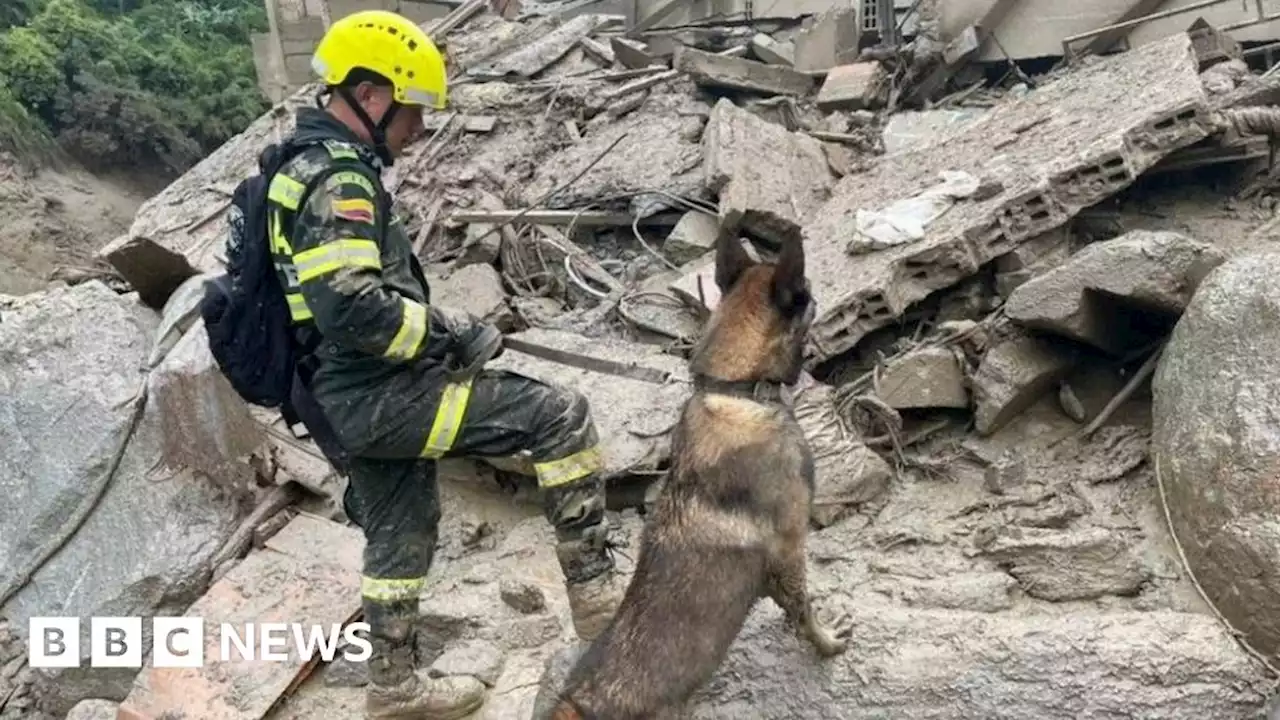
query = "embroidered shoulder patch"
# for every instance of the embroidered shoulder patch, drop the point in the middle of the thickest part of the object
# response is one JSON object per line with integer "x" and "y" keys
{"x": 354, "y": 209}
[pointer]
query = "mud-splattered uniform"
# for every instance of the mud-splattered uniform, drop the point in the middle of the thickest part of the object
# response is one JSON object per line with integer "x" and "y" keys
{"x": 382, "y": 378}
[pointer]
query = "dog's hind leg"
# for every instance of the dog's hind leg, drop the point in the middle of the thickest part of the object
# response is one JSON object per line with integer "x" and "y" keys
{"x": 787, "y": 588}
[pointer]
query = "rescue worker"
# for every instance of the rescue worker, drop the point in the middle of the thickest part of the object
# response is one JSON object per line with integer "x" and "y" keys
{"x": 391, "y": 369}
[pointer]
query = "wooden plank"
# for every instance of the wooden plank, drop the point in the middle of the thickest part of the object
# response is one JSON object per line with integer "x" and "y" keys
{"x": 309, "y": 573}
{"x": 470, "y": 123}
{"x": 598, "y": 50}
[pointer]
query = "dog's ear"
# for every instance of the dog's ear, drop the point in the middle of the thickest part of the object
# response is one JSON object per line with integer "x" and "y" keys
{"x": 731, "y": 260}
{"x": 790, "y": 288}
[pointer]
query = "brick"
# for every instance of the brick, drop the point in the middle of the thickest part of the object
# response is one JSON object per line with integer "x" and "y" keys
{"x": 692, "y": 237}
{"x": 1071, "y": 144}
{"x": 858, "y": 86}
{"x": 770, "y": 180}
{"x": 710, "y": 70}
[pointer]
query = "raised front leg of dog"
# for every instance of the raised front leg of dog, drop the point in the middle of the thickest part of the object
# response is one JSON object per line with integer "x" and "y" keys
{"x": 787, "y": 588}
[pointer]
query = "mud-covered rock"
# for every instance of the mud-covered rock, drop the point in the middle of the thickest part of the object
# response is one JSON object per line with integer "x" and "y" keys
{"x": 1216, "y": 441}
{"x": 1074, "y": 565}
{"x": 71, "y": 365}
{"x": 926, "y": 378}
{"x": 1013, "y": 375}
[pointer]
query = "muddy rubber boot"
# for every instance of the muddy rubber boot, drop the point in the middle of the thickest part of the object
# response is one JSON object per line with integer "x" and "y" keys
{"x": 396, "y": 689}
{"x": 594, "y": 589}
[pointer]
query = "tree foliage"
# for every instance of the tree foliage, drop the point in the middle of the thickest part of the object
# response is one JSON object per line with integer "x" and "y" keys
{"x": 144, "y": 83}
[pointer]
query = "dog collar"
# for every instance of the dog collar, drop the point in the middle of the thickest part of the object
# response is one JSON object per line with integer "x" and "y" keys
{"x": 769, "y": 391}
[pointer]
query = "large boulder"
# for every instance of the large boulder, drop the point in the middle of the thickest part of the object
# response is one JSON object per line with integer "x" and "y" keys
{"x": 1216, "y": 441}
{"x": 72, "y": 361}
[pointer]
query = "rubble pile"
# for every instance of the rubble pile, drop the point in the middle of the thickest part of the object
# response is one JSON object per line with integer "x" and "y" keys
{"x": 978, "y": 391}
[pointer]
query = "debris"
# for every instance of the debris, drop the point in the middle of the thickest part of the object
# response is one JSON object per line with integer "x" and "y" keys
{"x": 915, "y": 129}
{"x": 697, "y": 284}
{"x": 70, "y": 382}
{"x": 693, "y": 237}
{"x": 773, "y": 52}
{"x": 717, "y": 71}
{"x": 469, "y": 123}
{"x": 859, "y": 86}
{"x": 479, "y": 658}
{"x": 1117, "y": 295}
{"x": 533, "y": 58}
{"x": 559, "y": 217}
{"x": 1033, "y": 257}
{"x": 621, "y": 407}
{"x": 1074, "y": 565}
{"x": 476, "y": 289}
{"x": 288, "y": 579}
{"x": 598, "y": 50}
{"x": 1212, "y": 444}
{"x": 1070, "y": 144}
{"x": 906, "y": 220}
{"x": 180, "y": 313}
{"x": 1212, "y": 45}
{"x": 828, "y": 40}
{"x": 846, "y": 473}
{"x": 522, "y": 597}
{"x": 1013, "y": 375}
{"x": 632, "y": 54}
{"x": 770, "y": 181}
{"x": 926, "y": 378}
{"x": 481, "y": 247}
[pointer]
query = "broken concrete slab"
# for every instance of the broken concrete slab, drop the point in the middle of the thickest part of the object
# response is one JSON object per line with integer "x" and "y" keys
{"x": 1084, "y": 564}
{"x": 287, "y": 580}
{"x": 620, "y": 406}
{"x": 1038, "y": 255}
{"x": 770, "y": 181}
{"x": 913, "y": 129}
{"x": 828, "y": 40}
{"x": 847, "y": 473}
{"x": 1067, "y": 145}
{"x": 925, "y": 378}
{"x": 475, "y": 289}
{"x": 774, "y": 52}
{"x": 694, "y": 236}
{"x": 70, "y": 374}
{"x": 1214, "y": 442}
{"x": 662, "y": 150}
{"x": 1013, "y": 375}
{"x": 1118, "y": 295}
{"x": 632, "y": 54}
{"x": 860, "y": 86}
{"x": 151, "y": 269}
{"x": 718, "y": 71}
{"x": 207, "y": 426}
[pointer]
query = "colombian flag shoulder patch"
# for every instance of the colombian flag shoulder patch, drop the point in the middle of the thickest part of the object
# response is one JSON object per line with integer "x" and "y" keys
{"x": 355, "y": 210}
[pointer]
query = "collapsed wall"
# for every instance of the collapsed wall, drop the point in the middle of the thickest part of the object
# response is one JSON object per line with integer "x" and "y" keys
{"x": 1037, "y": 160}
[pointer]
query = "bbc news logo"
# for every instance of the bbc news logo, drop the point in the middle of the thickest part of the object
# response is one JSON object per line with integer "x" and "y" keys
{"x": 179, "y": 642}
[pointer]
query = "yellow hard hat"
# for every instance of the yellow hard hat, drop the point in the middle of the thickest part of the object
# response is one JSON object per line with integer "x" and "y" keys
{"x": 392, "y": 46}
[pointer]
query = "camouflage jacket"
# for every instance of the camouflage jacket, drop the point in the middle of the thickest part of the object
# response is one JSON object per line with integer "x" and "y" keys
{"x": 348, "y": 267}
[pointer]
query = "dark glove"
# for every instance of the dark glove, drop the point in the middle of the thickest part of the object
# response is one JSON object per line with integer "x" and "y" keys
{"x": 470, "y": 358}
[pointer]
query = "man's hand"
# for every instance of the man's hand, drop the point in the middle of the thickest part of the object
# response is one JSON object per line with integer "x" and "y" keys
{"x": 470, "y": 358}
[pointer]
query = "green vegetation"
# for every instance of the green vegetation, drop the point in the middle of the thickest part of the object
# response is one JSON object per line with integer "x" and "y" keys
{"x": 150, "y": 83}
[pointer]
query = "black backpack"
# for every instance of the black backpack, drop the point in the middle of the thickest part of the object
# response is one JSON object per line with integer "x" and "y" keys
{"x": 250, "y": 331}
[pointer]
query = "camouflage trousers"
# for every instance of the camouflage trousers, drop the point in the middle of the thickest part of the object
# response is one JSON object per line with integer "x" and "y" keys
{"x": 417, "y": 420}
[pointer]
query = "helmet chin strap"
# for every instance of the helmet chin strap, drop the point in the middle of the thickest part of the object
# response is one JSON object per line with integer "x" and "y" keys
{"x": 377, "y": 132}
